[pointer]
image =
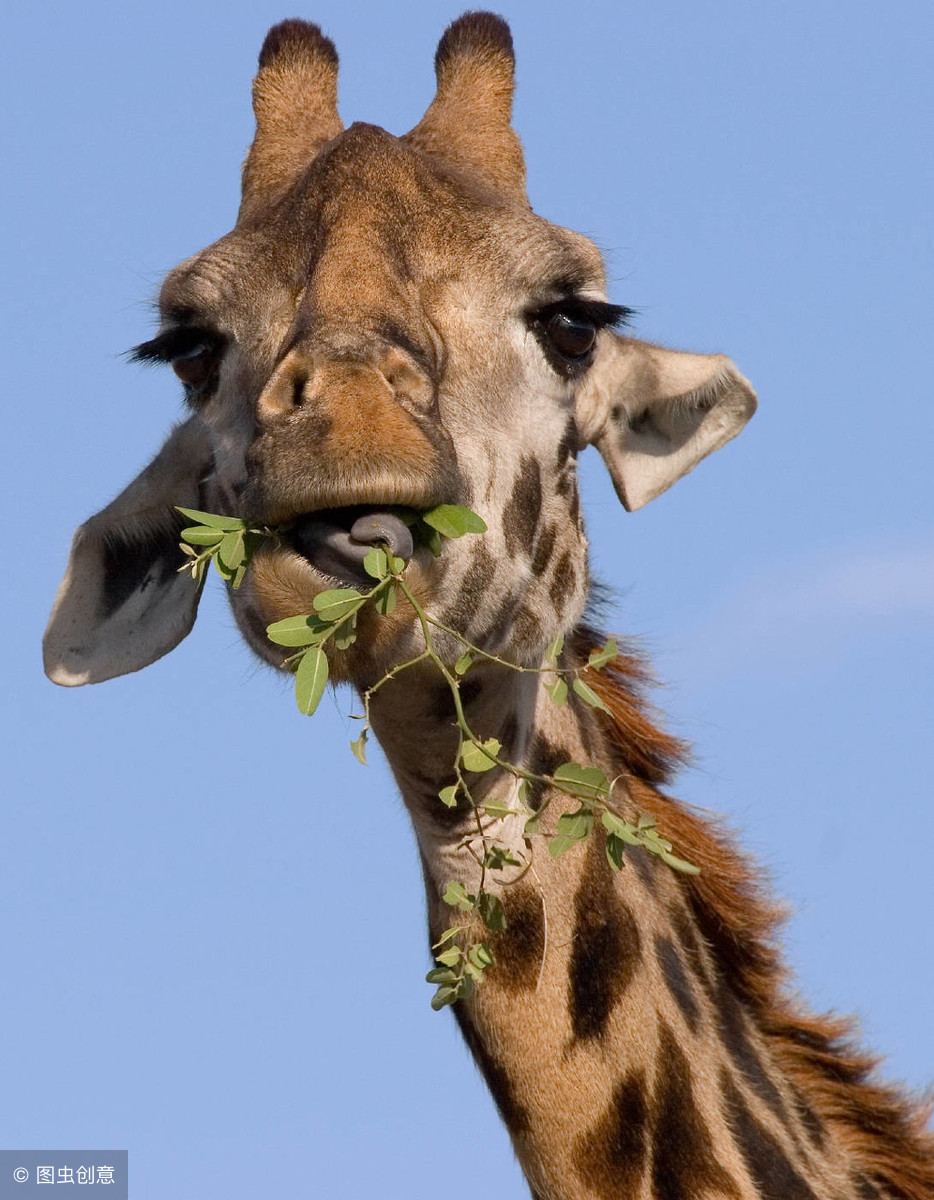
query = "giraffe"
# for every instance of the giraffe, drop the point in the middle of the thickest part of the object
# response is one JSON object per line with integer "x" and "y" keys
{"x": 389, "y": 324}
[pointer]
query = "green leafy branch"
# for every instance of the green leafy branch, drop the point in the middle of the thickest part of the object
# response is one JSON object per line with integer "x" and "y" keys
{"x": 461, "y": 957}
{"x": 228, "y": 542}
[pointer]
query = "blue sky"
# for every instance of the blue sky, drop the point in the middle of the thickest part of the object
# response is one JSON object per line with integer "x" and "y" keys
{"x": 211, "y": 916}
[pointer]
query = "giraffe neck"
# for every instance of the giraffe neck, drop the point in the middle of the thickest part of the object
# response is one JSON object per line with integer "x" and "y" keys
{"x": 617, "y": 1035}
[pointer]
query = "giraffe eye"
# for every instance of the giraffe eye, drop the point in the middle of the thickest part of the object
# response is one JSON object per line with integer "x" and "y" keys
{"x": 195, "y": 365}
{"x": 194, "y": 355}
{"x": 572, "y": 336}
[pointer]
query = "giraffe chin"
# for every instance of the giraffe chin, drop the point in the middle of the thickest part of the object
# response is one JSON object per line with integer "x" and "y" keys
{"x": 282, "y": 583}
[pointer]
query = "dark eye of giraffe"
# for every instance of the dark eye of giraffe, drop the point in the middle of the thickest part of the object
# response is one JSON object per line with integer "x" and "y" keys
{"x": 193, "y": 354}
{"x": 195, "y": 366}
{"x": 571, "y": 335}
{"x": 567, "y": 330}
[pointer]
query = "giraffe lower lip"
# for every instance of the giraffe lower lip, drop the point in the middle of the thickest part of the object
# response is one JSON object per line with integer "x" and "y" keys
{"x": 336, "y": 541}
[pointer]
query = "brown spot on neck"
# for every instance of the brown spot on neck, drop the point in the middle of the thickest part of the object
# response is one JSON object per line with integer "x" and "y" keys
{"x": 610, "y": 1158}
{"x": 768, "y": 1164}
{"x": 523, "y": 509}
{"x": 676, "y": 979}
{"x": 606, "y": 950}
{"x": 520, "y": 948}
{"x": 545, "y": 758}
{"x": 684, "y": 1161}
{"x": 563, "y": 583}
{"x": 738, "y": 1041}
{"x": 543, "y": 548}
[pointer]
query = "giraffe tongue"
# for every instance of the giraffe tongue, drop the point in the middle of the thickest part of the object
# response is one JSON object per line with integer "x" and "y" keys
{"x": 328, "y": 543}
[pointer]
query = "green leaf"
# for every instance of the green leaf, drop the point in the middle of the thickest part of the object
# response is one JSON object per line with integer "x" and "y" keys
{"x": 478, "y": 756}
{"x": 491, "y": 909}
{"x": 480, "y": 955}
{"x": 443, "y": 996}
{"x": 571, "y": 829}
{"x": 589, "y": 696}
{"x": 359, "y": 747}
{"x": 432, "y": 539}
{"x": 297, "y": 631}
{"x": 448, "y": 795}
{"x": 561, "y": 845}
{"x": 462, "y": 666}
{"x": 310, "y": 679}
{"x": 577, "y": 825}
{"x": 615, "y": 848}
{"x": 202, "y": 535}
{"x": 599, "y": 658}
{"x": 679, "y": 864}
{"x": 555, "y": 646}
{"x": 617, "y": 827}
{"x": 558, "y": 691}
{"x": 346, "y": 633}
{"x": 498, "y": 808}
{"x": 385, "y": 602}
{"x": 449, "y": 957}
{"x": 376, "y": 563}
{"x": 453, "y": 520}
{"x": 231, "y": 551}
{"x": 222, "y": 569}
{"x": 646, "y": 820}
{"x": 441, "y": 975}
{"x": 522, "y": 793}
{"x": 457, "y": 896}
{"x": 396, "y": 565}
{"x": 472, "y": 972}
{"x": 450, "y": 932}
{"x": 336, "y": 603}
{"x": 238, "y": 576}
{"x": 498, "y": 857}
{"x": 587, "y": 782}
{"x": 533, "y": 825}
{"x": 214, "y": 520}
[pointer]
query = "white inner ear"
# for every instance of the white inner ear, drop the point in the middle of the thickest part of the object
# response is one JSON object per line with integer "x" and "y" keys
{"x": 671, "y": 436}
{"x": 122, "y": 603}
{"x": 654, "y": 414}
{"x": 102, "y": 624}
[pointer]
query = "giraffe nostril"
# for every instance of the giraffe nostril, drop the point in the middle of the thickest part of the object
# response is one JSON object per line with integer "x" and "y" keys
{"x": 298, "y": 390}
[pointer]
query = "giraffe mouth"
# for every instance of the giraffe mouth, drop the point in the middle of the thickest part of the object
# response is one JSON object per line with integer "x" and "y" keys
{"x": 337, "y": 540}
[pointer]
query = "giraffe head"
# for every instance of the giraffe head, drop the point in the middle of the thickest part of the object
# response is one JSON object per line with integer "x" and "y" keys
{"x": 388, "y": 324}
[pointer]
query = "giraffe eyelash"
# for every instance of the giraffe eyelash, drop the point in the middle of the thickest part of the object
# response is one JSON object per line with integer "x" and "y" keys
{"x": 567, "y": 330}
{"x": 174, "y": 342}
{"x": 600, "y": 313}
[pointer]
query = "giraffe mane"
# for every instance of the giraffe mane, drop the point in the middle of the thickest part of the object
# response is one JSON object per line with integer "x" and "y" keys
{"x": 884, "y": 1128}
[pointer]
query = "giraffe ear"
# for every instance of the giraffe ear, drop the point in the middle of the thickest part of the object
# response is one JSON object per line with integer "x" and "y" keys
{"x": 122, "y": 603}
{"x": 654, "y": 414}
{"x": 295, "y": 103}
{"x": 467, "y": 125}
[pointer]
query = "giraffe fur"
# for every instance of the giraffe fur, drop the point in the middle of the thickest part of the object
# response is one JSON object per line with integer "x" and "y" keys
{"x": 389, "y": 324}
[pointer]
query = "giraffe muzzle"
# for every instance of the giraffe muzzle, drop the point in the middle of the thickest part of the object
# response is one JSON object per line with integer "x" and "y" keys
{"x": 336, "y": 541}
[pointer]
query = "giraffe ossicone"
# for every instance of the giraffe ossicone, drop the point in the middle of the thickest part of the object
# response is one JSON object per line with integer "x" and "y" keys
{"x": 389, "y": 327}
